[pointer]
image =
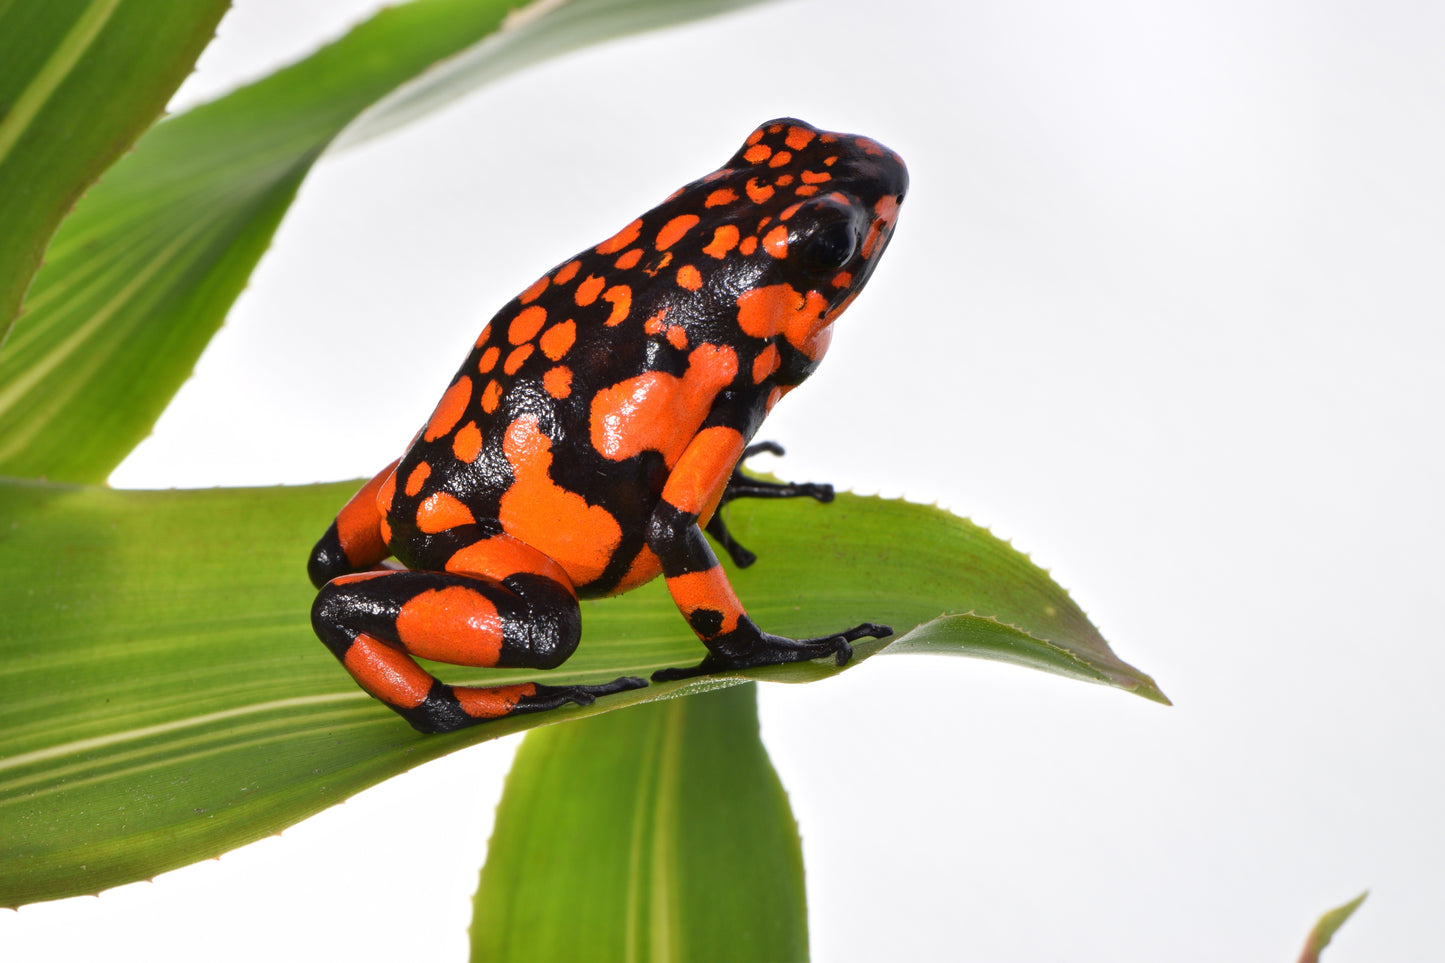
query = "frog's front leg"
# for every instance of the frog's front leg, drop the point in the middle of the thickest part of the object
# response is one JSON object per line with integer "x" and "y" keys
{"x": 697, "y": 582}
{"x": 501, "y": 604}
{"x": 746, "y": 486}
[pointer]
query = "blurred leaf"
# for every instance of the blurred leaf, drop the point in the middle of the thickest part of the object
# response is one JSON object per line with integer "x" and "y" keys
{"x": 1325, "y": 929}
{"x": 658, "y": 833}
{"x": 162, "y": 698}
{"x": 79, "y": 81}
{"x": 139, "y": 278}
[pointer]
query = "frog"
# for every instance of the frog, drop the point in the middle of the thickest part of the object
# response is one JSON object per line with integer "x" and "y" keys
{"x": 595, "y": 429}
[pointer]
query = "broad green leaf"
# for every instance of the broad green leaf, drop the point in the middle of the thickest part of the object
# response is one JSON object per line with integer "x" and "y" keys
{"x": 139, "y": 278}
{"x": 162, "y": 698}
{"x": 659, "y": 833}
{"x": 79, "y": 81}
{"x": 1326, "y": 928}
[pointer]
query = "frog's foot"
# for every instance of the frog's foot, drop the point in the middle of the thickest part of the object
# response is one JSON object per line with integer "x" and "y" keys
{"x": 776, "y": 650}
{"x": 448, "y": 708}
{"x": 745, "y": 486}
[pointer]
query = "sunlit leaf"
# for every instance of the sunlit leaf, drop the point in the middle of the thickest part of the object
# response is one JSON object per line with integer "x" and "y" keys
{"x": 657, "y": 833}
{"x": 162, "y": 698}
{"x": 79, "y": 81}
{"x": 139, "y": 278}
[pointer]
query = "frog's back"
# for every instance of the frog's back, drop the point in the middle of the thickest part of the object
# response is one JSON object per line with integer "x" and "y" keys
{"x": 578, "y": 398}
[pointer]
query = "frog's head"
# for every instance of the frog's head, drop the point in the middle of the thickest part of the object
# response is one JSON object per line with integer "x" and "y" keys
{"x": 795, "y": 223}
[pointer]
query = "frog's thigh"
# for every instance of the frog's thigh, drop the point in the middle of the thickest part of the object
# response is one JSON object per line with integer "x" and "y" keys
{"x": 375, "y": 622}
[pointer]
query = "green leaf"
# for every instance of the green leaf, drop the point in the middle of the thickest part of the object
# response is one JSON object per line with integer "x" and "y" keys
{"x": 658, "y": 833}
{"x": 79, "y": 81}
{"x": 162, "y": 697}
{"x": 139, "y": 278}
{"x": 1326, "y": 928}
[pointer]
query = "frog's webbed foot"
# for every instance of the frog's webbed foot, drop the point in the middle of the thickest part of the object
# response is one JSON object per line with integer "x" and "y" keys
{"x": 765, "y": 649}
{"x": 745, "y": 486}
{"x": 554, "y": 696}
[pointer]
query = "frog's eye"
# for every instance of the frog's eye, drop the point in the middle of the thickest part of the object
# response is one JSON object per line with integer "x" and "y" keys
{"x": 829, "y": 247}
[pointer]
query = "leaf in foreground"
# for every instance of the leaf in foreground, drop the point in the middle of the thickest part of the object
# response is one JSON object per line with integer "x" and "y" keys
{"x": 1326, "y": 928}
{"x": 141, "y": 275}
{"x": 163, "y": 700}
{"x": 79, "y": 81}
{"x": 658, "y": 833}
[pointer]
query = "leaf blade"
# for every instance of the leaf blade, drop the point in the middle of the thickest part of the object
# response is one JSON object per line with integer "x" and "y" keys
{"x": 79, "y": 81}
{"x": 162, "y": 698}
{"x": 645, "y": 811}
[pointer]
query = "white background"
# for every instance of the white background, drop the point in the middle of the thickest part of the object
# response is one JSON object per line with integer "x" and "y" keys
{"x": 1164, "y": 307}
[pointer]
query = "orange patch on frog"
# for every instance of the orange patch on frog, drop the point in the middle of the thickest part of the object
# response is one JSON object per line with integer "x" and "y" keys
{"x": 441, "y": 511}
{"x": 358, "y": 523}
{"x": 515, "y": 359}
{"x": 620, "y": 297}
{"x": 535, "y": 290}
{"x": 387, "y": 672}
{"x": 492, "y": 702}
{"x": 588, "y": 290}
{"x": 674, "y": 229}
{"x": 568, "y": 272}
{"x": 558, "y": 339}
{"x": 758, "y": 192}
{"x": 618, "y": 241}
{"x": 724, "y": 239}
{"x": 488, "y": 361}
{"x": 783, "y": 180}
{"x": 449, "y": 410}
{"x": 654, "y": 324}
{"x": 386, "y": 493}
{"x": 819, "y": 177}
{"x": 706, "y": 590}
{"x": 628, "y": 260}
{"x": 492, "y": 396}
{"x": 558, "y": 522}
{"x": 689, "y": 277}
{"x": 798, "y": 138}
{"x": 766, "y": 363}
{"x": 754, "y": 137}
{"x": 776, "y": 242}
{"x": 757, "y": 153}
{"x": 455, "y": 624}
{"x": 417, "y": 478}
{"x": 886, "y": 212}
{"x": 502, "y": 555}
{"x": 677, "y": 336}
{"x": 558, "y": 381}
{"x": 805, "y": 190}
{"x": 696, "y": 484}
{"x": 721, "y": 196}
{"x": 780, "y": 158}
{"x": 467, "y": 445}
{"x": 779, "y": 309}
{"x": 842, "y": 279}
{"x": 748, "y": 246}
{"x": 658, "y": 411}
{"x": 526, "y": 324}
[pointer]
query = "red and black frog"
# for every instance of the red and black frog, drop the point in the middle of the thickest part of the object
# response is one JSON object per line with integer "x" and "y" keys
{"x": 595, "y": 429}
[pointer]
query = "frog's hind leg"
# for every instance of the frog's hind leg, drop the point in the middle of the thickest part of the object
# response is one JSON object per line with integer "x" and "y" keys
{"x": 375, "y": 622}
{"x": 355, "y": 541}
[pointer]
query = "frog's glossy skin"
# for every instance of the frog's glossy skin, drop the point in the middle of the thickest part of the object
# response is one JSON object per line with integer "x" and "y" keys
{"x": 595, "y": 428}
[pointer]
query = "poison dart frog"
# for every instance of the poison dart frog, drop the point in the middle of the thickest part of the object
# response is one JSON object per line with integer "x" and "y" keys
{"x": 595, "y": 429}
